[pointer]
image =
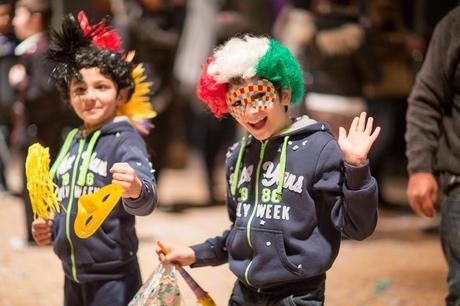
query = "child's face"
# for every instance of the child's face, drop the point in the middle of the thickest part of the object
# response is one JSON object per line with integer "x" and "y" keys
{"x": 258, "y": 107}
{"x": 95, "y": 99}
{"x": 23, "y": 23}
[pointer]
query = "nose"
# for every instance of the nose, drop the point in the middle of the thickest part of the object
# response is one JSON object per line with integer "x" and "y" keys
{"x": 252, "y": 110}
{"x": 90, "y": 95}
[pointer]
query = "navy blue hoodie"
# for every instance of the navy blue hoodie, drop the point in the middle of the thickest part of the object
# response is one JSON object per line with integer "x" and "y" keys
{"x": 285, "y": 244}
{"x": 111, "y": 251}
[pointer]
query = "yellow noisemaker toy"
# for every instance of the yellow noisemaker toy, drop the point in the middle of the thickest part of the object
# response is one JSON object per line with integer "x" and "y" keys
{"x": 94, "y": 208}
{"x": 39, "y": 183}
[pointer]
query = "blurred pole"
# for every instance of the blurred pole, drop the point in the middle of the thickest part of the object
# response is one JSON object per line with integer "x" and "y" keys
{"x": 4, "y": 151}
{"x": 120, "y": 20}
{"x": 58, "y": 13}
{"x": 419, "y": 30}
{"x": 363, "y": 13}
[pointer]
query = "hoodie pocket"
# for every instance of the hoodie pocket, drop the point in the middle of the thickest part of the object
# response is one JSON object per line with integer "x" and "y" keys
{"x": 61, "y": 245}
{"x": 239, "y": 251}
{"x": 271, "y": 265}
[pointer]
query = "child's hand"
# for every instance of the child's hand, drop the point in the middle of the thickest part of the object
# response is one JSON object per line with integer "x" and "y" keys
{"x": 41, "y": 231}
{"x": 356, "y": 145}
{"x": 126, "y": 177}
{"x": 17, "y": 74}
{"x": 181, "y": 255}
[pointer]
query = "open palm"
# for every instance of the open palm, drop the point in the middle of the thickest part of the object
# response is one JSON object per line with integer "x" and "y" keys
{"x": 356, "y": 144}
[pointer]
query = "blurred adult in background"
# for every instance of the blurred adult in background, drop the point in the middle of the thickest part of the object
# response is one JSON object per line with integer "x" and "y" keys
{"x": 7, "y": 60}
{"x": 397, "y": 51}
{"x": 333, "y": 48}
{"x": 152, "y": 28}
{"x": 433, "y": 142}
{"x": 207, "y": 24}
{"x": 38, "y": 113}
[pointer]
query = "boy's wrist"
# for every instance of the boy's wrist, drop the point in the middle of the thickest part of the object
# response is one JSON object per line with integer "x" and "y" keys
{"x": 139, "y": 185}
{"x": 356, "y": 160}
{"x": 357, "y": 176}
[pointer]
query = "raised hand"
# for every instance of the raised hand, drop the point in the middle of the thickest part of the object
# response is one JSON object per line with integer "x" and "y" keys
{"x": 356, "y": 144}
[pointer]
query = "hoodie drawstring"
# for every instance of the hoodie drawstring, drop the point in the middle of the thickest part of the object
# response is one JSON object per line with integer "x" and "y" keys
{"x": 89, "y": 152}
{"x": 65, "y": 148}
{"x": 282, "y": 168}
{"x": 236, "y": 174}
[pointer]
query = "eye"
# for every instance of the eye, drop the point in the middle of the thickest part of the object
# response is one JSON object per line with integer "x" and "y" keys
{"x": 102, "y": 87}
{"x": 79, "y": 91}
{"x": 237, "y": 103}
{"x": 257, "y": 96}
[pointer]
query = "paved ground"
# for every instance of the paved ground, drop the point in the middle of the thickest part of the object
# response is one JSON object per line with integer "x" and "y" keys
{"x": 398, "y": 265}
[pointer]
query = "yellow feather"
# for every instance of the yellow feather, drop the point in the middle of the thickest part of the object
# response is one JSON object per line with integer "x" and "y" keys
{"x": 138, "y": 108}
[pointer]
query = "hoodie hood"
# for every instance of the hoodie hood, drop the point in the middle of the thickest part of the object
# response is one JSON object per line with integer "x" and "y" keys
{"x": 303, "y": 125}
{"x": 119, "y": 124}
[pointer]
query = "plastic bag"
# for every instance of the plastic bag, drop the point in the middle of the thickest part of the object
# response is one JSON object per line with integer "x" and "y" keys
{"x": 160, "y": 289}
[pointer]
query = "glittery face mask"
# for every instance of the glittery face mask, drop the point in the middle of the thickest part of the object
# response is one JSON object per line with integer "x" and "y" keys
{"x": 260, "y": 95}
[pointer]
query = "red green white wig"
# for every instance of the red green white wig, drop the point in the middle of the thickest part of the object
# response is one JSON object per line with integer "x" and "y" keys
{"x": 247, "y": 57}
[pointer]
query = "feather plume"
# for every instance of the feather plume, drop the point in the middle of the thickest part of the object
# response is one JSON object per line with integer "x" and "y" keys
{"x": 139, "y": 109}
{"x": 67, "y": 41}
{"x": 102, "y": 34}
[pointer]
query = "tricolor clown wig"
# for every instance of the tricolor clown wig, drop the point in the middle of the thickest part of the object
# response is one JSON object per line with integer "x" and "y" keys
{"x": 80, "y": 45}
{"x": 245, "y": 58}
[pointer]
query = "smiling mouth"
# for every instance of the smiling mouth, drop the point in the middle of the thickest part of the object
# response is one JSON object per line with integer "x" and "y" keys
{"x": 259, "y": 124}
{"x": 90, "y": 110}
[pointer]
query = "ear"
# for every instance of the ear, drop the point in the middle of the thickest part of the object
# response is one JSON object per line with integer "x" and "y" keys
{"x": 122, "y": 97}
{"x": 285, "y": 97}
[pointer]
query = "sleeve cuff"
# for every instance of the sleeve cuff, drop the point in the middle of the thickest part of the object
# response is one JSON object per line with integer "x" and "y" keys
{"x": 204, "y": 255}
{"x": 144, "y": 204}
{"x": 357, "y": 177}
{"x": 133, "y": 203}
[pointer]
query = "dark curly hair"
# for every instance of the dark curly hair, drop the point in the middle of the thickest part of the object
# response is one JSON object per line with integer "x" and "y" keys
{"x": 71, "y": 50}
{"x": 110, "y": 63}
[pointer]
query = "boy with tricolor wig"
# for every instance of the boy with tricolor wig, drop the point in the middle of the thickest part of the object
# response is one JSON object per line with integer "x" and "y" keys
{"x": 108, "y": 93}
{"x": 292, "y": 188}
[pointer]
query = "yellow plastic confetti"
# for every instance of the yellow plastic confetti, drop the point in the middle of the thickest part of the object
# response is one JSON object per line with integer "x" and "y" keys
{"x": 94, "y": 208}
{"x": 39, "y": 183}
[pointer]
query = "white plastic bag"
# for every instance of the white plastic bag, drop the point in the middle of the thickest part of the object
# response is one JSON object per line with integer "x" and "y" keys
{"x": 160, "y": 289}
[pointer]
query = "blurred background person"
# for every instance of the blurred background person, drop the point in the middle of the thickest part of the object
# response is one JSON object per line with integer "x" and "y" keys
{"x": 7, "y": 97}
{"x": 433, "y": 142}
{"x": 399, "y": 50}
{"x": 38, "y": 113}
{"x": 152, "y": 29}
{"x": 333, "y": 48}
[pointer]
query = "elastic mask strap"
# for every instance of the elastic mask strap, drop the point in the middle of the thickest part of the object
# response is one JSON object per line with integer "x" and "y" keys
{"x": 236, "y": 174}
{"x": 282, "y": 168}
{"x": 65, "y": 148}
{"x": 89, "y": 152}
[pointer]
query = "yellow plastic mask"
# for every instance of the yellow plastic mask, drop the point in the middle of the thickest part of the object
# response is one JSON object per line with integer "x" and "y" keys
{"x": 94, "y": 208}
